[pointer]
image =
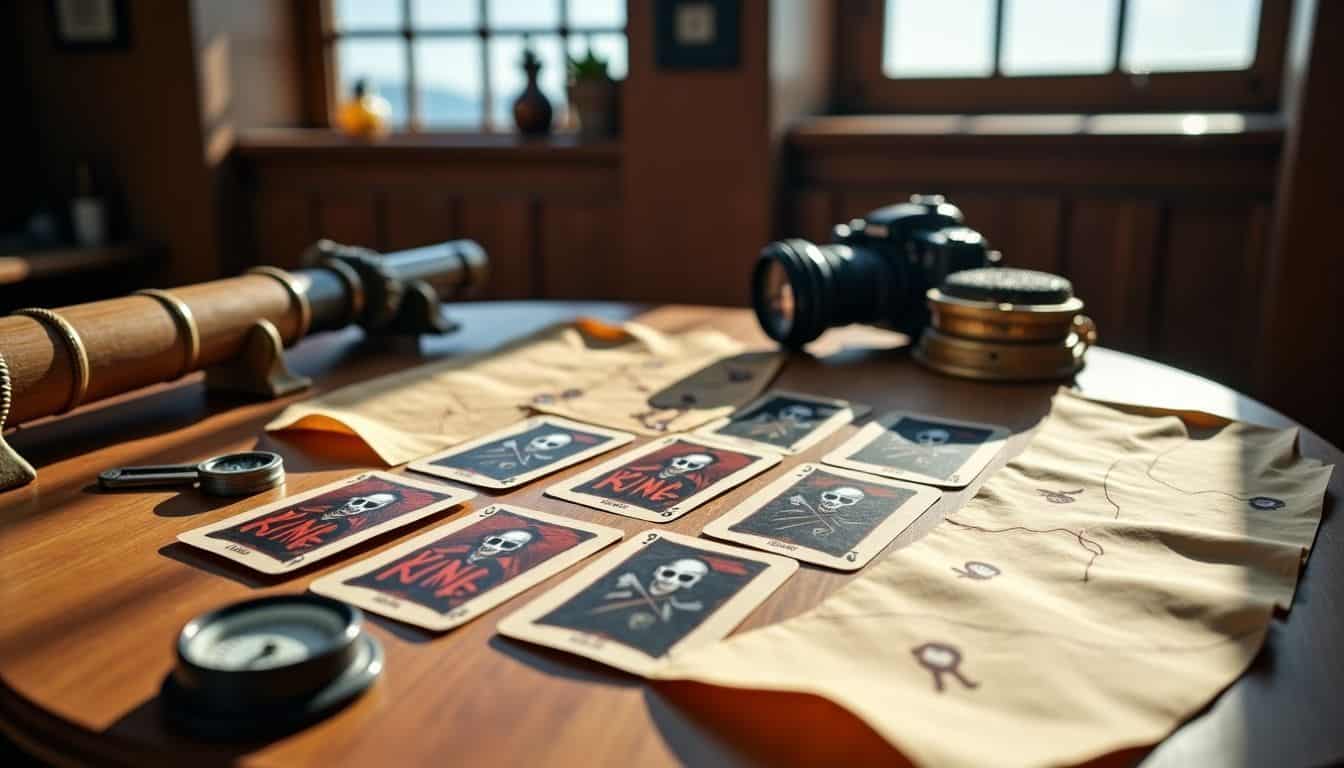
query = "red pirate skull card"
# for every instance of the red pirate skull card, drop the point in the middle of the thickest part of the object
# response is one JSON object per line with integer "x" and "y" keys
{"x": 921, "y": 449}
{"x": 831, "y": 517}
{"x": 522, "y": 452}
{"x": 665, "y": 479}
{"x": 300, "y": 530}
{"x": 448, "y": 576}
{"x": 650, "y": 598}
{"x": 788, "y": 422}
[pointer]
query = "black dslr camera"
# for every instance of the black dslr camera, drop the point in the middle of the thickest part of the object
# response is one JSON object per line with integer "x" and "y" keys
{"x": 876, "y": 271}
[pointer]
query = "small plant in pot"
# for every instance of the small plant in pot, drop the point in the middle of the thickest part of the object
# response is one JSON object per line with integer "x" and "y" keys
{"x": 592, "y": 95}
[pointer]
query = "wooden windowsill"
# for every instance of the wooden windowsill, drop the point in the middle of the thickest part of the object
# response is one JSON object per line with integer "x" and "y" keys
{"x": 1054, "y": 129}
{"x": 285, "y": 142}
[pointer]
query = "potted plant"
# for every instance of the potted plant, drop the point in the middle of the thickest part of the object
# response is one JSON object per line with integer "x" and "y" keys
{"x": 592, "y": 95}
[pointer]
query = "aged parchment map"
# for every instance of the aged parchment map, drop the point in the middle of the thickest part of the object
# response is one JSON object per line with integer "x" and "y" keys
{"x": 1099, "y": 590}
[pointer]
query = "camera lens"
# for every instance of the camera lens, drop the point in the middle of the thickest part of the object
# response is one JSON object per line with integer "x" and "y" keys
{"x": 800, "y": 289}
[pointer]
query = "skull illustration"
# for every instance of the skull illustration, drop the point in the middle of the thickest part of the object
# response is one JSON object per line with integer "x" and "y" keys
{"x": 932, "y": 437}
{"x": 500, "y": 543}
{"x": 795, "y": 413}
{"x": 691, "y": 462}
{"x": 550, "y": 442}
{"x": 837, "y": 499}
{"x": 678, "y": 574}
{"x": 359, "y": 505}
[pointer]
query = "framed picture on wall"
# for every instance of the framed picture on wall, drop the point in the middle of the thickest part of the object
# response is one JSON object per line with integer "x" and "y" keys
{"x": 697, "y": 34}
{"x": 90, "y": 25}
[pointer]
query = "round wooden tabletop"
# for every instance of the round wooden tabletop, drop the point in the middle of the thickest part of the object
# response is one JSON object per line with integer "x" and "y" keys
{"x": 93, "y": 587}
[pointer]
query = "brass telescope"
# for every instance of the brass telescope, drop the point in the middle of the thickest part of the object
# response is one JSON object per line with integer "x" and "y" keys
{"x": 54, "y": 360}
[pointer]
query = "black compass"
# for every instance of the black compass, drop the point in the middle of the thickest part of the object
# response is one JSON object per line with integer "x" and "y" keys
{"x": 268, "y": 666}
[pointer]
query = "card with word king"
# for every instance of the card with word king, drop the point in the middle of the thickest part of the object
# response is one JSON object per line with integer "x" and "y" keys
{"x": 452, "y": 574}
{"x": 665, "y": 479}
{"x": 300, "y": 530}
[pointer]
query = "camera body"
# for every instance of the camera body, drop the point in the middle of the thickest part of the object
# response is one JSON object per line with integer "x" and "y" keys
{"x": 876, "y": 270}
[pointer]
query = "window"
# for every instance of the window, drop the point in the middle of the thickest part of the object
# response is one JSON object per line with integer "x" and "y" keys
{"x": 1036, "y": 55}
{"x": 454, "y": 64}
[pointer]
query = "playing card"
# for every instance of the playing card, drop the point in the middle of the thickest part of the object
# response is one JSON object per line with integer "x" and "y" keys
{"x": 784, "y": 421}
{"x": 921, "y": 449}
{"x": 665, "y": 479}
{"x": 297, "y": 531}
{"x": 448, "y": 576}
{"x": 650, "y": 597}
{"x": 830, "y": 517}
{"x": 521, "y": 452}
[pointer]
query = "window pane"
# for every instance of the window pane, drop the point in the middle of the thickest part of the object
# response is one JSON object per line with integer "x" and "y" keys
{"x": 382, "y": 63}
{"x": 445, "y": 13}
{"x": 366, "y": 14}
{"x": 526, "y": 14}
{"x": 449, "y": 77}
{"x": 1058, "y": 37}
{"x": 610, "y": 47}
{"x": 949, "y": 38}
{"x": 507, "y": 79}
{"x": 1186, "y": 35}
{"x": 597, "y": 13}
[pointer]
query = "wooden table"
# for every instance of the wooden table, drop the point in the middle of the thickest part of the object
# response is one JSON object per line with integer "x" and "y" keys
{"x": 93, "y": 588}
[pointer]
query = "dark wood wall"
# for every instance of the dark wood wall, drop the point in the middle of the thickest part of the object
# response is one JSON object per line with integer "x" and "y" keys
{"x": 549, "y": 213}
{"x": 1164, "y": 236}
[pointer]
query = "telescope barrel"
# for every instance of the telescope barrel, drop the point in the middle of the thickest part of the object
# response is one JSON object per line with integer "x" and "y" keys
{"x": 59, "y": 359}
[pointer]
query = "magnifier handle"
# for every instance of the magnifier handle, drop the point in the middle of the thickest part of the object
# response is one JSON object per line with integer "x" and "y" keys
{"x": 149, "y": 476}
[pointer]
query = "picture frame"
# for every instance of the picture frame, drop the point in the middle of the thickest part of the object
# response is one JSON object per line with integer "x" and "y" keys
{"x": 697, "y": 34}
{"x": 90, "y": 25}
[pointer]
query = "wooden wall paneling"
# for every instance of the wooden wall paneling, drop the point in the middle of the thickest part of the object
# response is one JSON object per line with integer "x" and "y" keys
{"x": 504, "y": 226}
{"x": 1027, "y": 229}
{"x": 413, "y": 217}
{"x": 351, "y": 218}
{"x": 815, "y": 211}
{"x": 580, "y": 250}
{"x": 1111, "y": 254}
{"x": 1204, "y": 322}
{"x": 285, "y": 224}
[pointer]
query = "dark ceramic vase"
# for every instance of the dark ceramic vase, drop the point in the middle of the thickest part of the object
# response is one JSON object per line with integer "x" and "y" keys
{"x": 532, "y": 110}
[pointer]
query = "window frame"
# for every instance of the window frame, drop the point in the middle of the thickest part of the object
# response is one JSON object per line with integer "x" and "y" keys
{"x": 862, "y": 86}
{"x": 318, "y": 39}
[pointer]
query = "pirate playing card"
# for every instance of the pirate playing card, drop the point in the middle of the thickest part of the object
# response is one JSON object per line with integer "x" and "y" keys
{"x": 300, "y": 530}
{"x": 784, "y": 421}
{"x": 522, "y": 452}
{"x": 665, "y": 479}
{"x": 452, "y": 574}
{"x": 830, "y": 517}
{"x": 650, "y": 597}
{"x": 921, "y": 449}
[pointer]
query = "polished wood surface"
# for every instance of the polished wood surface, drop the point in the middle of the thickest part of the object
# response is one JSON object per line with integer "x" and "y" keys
{"x": 95, "y": 588}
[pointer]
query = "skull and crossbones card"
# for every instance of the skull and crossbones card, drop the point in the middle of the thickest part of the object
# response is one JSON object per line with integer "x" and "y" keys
{"x": 826, "y": 516}
{"x": 521, "y": 452}
{"x": 783, "y": 421}
{"x": 921, "y": 449}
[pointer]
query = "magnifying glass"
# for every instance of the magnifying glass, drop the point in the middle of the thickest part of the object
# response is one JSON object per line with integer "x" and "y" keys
{"x": 233, "y": 474}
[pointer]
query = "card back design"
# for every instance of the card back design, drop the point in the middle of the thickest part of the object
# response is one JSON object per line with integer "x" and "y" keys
{"x": 665, "y": 479}
{"x": 454, "y": 573}
{"x": 650, "y": 597}
{"x": 521, "y": 452}
{"x": 297, "y": 531}
{"x": 789, "y": 422}
{"x": 831, "y": 517}
{"x": 921, "y": 449}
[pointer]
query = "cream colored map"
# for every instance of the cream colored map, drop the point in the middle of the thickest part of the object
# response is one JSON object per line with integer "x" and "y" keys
{"x": 627, "y": 377}
{"x": 1098, "y": 591}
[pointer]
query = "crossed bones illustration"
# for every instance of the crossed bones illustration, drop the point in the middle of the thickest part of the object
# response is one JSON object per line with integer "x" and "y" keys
{"x": 660, "y": 596}
{"x": 510, "y": 455}
{"x": 825, "y": 516}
